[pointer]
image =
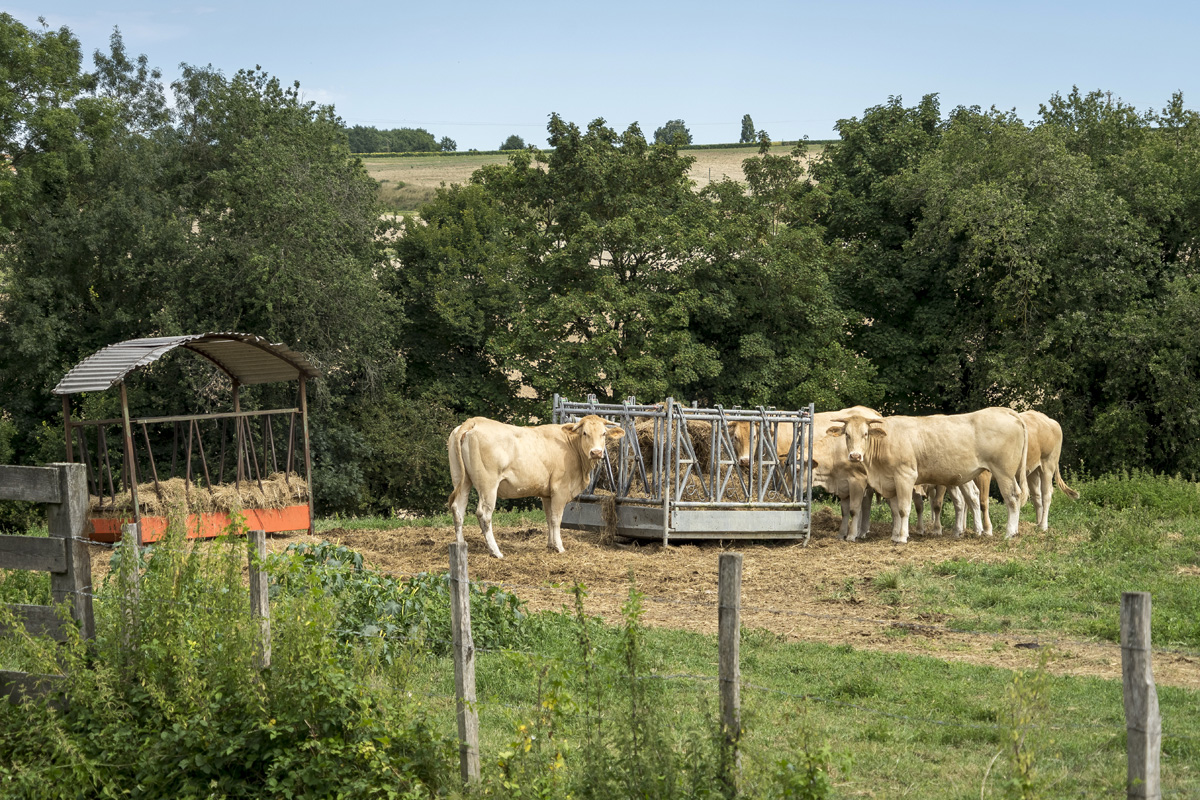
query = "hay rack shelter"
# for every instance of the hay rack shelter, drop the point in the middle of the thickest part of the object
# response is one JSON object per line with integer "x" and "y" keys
{"x": 675, "y": 473}
{"x": 263, "y": 481}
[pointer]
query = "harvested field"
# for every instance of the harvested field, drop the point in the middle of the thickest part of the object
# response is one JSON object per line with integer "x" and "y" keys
{"x": 421, "y": 175}
{"x": 821, "y": 593}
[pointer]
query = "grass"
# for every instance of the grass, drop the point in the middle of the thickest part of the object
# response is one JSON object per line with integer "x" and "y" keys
{"x": 913, "y": 726}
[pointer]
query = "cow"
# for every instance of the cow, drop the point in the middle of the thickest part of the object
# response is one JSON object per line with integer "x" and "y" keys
{"x": 1041, "y": 465}
{"x": 963, "y": 497}
{"x": 900, "y": 453}
{"x": 830, "y": 472}
{"x": 553, "y": 462}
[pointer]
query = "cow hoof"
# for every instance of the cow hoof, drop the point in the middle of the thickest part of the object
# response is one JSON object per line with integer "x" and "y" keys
{"x": 903, "y": 540}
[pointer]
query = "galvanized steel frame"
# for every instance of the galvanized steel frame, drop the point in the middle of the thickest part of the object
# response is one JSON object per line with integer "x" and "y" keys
{"x": 673, "y": 462}
{"x": 108, "y": 368}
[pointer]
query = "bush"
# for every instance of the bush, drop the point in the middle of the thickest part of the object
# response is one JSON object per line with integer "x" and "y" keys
{"x": 1167, "y": 495}
{"x": 397, "y": 613}
{"x": 170, "y": 692}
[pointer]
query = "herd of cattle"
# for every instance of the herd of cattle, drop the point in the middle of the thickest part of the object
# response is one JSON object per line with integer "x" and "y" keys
{"x": 857, "y": 454}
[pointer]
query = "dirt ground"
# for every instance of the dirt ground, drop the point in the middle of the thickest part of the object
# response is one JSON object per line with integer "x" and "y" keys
{"x": 819, "y": 593}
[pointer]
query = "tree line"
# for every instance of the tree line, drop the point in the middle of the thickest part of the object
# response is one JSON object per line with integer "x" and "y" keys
{"x": 367, "y": 139}
{"x": 925, "y": 262}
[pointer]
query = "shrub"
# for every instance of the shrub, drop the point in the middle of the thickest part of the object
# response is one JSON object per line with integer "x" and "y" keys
{"x": 170, "y": 692}
{"x": 397, "y": 612}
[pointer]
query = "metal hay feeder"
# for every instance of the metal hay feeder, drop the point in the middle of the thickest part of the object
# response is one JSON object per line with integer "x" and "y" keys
{"x": 246, "y": 359}
{"x": 676, "y": 475}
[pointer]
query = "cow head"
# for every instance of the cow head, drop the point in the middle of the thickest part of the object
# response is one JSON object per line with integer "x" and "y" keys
{"x": 741, "y": 441}
{"x": 591, "y": 433}
{"x": 856, "y": 428}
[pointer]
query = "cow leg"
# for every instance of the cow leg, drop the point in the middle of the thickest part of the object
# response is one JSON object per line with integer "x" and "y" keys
{"x": 856, "y": 504}
{"x": 960, "y": 509}
{"x": 1012, "y": 502}
{"x": 844, "y": 502}
{"x": 1044, "y": 480}
{"x": 864, "y": 514}
{"x": 984, "y": 484}
{"x": 970, "y": 493}
{"x": 487, "y": 504}
{"x": 458, "y": 505}
{"x": 900, "y": 505}
{"x": 554, "y": 515}
{"x": 939, "y": 502}
{"x": 918, "y": 501}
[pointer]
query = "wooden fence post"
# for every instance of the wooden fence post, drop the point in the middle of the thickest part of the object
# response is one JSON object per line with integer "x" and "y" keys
{"x": 259, "y": 607}
{"x": 1143, "y": 725}
{"x": 67, "y": 519}
{"x": 729, "y": 606}
{"x": 464, "y": 665}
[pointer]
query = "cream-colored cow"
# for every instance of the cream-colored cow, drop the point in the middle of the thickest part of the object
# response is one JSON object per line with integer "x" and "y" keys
{"x": 1041, "y": 467}
{"x": 831, "y": 471}
{"x": 553, "y": 462}
{"x": 900, "y": 453}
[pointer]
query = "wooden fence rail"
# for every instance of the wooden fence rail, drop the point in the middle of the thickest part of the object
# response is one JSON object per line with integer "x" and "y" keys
{"x": 63, "y": 487}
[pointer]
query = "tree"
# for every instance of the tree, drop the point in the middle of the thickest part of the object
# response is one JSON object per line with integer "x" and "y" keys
{"x": 243, "y": 211}
{"x": 674, "y": 132}
{"x": 748, "y": 134}
{"x": 513, "y": 142}
{"x": 447, "y": 145}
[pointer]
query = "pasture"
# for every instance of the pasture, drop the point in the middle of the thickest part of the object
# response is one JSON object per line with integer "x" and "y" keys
{"x": 406, "y": 183}
{"x": 895, "y": 670}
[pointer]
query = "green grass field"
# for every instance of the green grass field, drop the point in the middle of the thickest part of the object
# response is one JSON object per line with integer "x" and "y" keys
{"x": 874, "y": 724}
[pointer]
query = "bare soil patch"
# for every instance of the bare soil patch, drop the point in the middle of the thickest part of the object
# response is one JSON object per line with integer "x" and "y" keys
{"x": 820, "y": 593}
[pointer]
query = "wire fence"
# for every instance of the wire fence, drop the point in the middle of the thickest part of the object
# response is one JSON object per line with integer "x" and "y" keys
{"x": 424, "y": 641}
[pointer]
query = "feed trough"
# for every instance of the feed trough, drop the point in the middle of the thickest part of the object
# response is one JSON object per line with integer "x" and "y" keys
{"x": 676, "y": 474}
{"x": 223, "y": 464}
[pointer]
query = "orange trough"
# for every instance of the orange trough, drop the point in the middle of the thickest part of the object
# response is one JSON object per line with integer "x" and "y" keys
{"x": 205, "y": 526}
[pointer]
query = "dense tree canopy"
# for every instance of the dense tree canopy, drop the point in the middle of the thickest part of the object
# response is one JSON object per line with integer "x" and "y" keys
{"x": 365, "y": 139}
{"x": 924, "y": 262}
{"x": 239, "y": 209}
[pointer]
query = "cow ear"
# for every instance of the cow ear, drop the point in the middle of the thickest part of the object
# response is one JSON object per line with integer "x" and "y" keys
{"x": 615, "y": 433}
{"x": 571, "y": 427}
{"x": 876, "y": 430}
{"x": 837, "y": 429}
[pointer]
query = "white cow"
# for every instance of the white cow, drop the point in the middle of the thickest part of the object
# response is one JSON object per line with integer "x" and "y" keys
{"x": 900, "y": 453}
{"x": 553, "y": 462}
{"x": 1041, "y": 466}
{"x": 832, "y": 472}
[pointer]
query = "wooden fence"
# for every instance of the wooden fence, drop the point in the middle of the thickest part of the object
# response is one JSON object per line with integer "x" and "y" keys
{"x": 63, "y": 488}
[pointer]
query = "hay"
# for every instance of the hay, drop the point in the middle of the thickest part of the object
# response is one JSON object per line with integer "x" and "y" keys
{"x": 608, "y": 511}
{"x": 277, "y": 491}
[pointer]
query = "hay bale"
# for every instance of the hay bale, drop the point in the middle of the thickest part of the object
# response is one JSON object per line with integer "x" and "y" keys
{"x": 279, "y": 490}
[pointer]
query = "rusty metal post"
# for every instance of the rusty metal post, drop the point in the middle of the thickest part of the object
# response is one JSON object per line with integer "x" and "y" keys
{"x": 237, "y": 406}
{"x": 131, "y": 465}
{"x": 307, "y": 455}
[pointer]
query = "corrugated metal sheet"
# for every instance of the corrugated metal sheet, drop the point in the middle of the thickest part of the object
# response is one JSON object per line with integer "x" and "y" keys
{"x": 243, "y": 356}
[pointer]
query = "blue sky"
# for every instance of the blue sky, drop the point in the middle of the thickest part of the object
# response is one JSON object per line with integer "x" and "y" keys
{"x": 478, "y": 72}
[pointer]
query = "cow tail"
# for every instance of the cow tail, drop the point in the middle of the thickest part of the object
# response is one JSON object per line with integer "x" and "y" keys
{"x": 457, "y": 469}
{"x": 1022, "y": 475}
{"x": 1071, "y": 493}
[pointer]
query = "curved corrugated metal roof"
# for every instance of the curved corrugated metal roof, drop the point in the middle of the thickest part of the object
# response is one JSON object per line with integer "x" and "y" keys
{"x": 244, "y": 357}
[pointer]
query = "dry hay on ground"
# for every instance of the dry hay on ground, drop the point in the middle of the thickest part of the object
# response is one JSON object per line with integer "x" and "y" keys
{"x": 820, "y": 593}
{"x": 279, "y": 490}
